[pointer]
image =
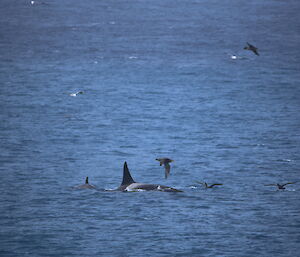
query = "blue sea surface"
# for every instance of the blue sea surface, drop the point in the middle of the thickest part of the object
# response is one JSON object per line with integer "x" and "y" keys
{"x": 160, "y": 79}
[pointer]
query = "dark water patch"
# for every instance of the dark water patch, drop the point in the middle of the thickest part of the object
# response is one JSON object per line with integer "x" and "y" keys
{"x": 124, "y": 154}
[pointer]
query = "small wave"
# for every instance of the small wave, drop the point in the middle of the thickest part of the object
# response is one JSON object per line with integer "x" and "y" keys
{"x": 119, "y": 153}
{"x": 224, "y": 146}
{"x": 284, "y": 160}
{"x": 236, "y": 57}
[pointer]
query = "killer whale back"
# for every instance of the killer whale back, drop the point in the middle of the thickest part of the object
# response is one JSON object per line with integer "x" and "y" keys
{"x": 127, "y": 179}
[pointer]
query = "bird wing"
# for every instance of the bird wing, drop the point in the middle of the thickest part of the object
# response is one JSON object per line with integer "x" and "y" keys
{"x": 216, "y": 185}
{"x": 255, "y": 50}
{"x": 167, "y": 169}
{"x": 271, "y": 185}
{"x": 160, "y": 161}
{"x": 288, "y": 183}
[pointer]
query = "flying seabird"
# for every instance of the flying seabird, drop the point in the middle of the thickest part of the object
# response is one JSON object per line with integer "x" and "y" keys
{"x": 165, "y": 162}
{"x": 251, "y": 48}
{"x": 207, "y": 186}
{"x": 281, "y": 186}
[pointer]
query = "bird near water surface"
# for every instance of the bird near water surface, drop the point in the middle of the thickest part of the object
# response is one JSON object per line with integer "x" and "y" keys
{"x": 251, "y": 48}
{"x": 281, "y": 186}
{"x": 165, "y": 162}
{"x": 209, "y": 186}
{"x": 77, "y": 93}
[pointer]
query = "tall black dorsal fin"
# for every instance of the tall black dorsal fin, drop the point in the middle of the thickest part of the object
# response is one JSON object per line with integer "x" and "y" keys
{"x": 127, "y": 179}
{"x": 86, "y": 180}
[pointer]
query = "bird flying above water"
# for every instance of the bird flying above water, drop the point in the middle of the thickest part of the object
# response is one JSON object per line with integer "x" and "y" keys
{"x": 251, "y": 48}
{"x": 209, "y": 186}
{"x": 281, "y": 186}
{"x": 165, "y": 162}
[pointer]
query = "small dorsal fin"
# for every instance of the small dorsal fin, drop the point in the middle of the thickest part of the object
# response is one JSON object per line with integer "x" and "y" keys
{"x": 86, "y": 180}
{"x": 127, "y": 179}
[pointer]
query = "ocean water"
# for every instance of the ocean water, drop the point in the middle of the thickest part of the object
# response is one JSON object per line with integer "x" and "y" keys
{"x": 158, "y": 81}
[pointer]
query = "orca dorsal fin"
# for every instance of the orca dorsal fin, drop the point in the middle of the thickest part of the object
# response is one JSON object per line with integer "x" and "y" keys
{"x": 127, "y": 179}
{"x": 86, "y": 180}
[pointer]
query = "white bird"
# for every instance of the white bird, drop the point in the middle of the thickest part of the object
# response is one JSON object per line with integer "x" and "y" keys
{"x": 77, "y": 93}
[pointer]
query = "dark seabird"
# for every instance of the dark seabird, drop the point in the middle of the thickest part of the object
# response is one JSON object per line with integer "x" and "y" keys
{"x": 281, "y": 186}
{"x": 207, "y": 186}
{"x": 251, "y": 48}
{"x": 86, "y": 185}
{"x": 165, "y": 162}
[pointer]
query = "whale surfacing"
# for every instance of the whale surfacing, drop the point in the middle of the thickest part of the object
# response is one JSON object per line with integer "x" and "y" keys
{"x": 128, "y": 184}
{"x": 86, "y": 185}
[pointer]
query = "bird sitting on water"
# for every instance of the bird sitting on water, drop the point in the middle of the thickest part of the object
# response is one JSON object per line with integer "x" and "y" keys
{"x": 77, "y": 93}
{"x": 165, "y": 162}
{"x": 281, "y": 186}
{"x": 251, "y": 48}
{"x": 207, "y": 186}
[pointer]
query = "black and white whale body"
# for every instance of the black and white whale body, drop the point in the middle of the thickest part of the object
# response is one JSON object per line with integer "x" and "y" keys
{"x": 128, "y": 184}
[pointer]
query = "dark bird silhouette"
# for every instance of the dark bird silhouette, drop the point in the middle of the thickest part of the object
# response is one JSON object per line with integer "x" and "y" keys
{"x": 281, "y": 186}
{"x": 207, "y": 186}
{"x": 165, "y": 162}
{"x": 251, "y": 48}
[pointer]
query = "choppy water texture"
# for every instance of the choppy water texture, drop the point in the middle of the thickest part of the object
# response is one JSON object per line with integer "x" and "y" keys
{"x": 158, "y": 81}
